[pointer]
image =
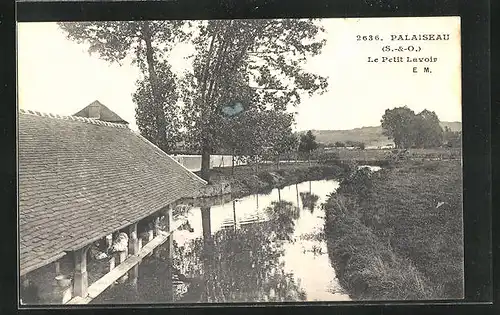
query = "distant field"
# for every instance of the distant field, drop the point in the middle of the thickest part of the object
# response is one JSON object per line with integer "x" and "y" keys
{"x": 377, "y": 154}
{"x": 370, "y": 136}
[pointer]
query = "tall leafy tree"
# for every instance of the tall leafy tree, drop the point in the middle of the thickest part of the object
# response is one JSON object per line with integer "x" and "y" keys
{"x": 308, "y": 143}
{"x": 256, "y": 62}
{"x": 255, "y": 134}
{"x": 280, "y": 138}
{"x": 145, "y": 42}
{"x": 398, "y": 125}
{"x": 428, "y": 132}
{"x": 286, "y": 145}
{"x": 408, "y": 129}
{"x": 158, "y": 118}
{"x": 452, "y": 138}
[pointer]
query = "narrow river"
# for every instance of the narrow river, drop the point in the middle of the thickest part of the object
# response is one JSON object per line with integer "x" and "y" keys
{"x": 266, "y": 247}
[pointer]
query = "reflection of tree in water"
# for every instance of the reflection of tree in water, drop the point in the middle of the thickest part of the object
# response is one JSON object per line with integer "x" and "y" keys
{"x": 282, "y": 216}
{"x": 309, "y": 200}
{"x": 149, "y": 288}
{"x": 243, "y": 265}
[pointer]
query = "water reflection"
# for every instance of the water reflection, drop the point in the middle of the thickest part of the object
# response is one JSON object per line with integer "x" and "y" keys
{"x": 243, "y": 263}
{"x": 267, "y": 247}
{"x": 309, "y": 200}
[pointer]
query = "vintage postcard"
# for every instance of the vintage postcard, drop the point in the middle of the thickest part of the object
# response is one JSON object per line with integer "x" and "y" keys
{"x": 248, "y": 160}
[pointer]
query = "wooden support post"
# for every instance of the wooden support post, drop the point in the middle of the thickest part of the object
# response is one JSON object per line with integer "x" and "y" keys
{"x": 133, "y": 247}
{"x": 169, "y": 246}
{"x": 25, "y": 281}
{"x": 150, "y": 238}
{"x": 80, "y": 277}
{"x": 121, "y": 258}
{"x": 109, "y": 240}
{"x": 169, "y": 243}
{"x": 112, "y": 263}
{"x": 156, "y": 225}
{"x": 133, "y": 241}
{"x": 205, "y": 222}
{"x": 57, "y": 266}
{"x": 234, "y": 214}
{"x": 139, "y": 244}
{"x": 156, "y": 231}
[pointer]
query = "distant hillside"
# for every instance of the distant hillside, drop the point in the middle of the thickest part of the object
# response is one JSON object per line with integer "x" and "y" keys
{"x": 370, "y": 136}
{"x": 453, "y": 125}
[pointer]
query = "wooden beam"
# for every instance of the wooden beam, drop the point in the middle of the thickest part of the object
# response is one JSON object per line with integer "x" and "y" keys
{"x": 107, "y": 280}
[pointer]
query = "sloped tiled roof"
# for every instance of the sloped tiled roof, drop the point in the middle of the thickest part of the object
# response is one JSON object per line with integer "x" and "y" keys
{"x": 105, "y": 114}
{"x": 81, "y": 179}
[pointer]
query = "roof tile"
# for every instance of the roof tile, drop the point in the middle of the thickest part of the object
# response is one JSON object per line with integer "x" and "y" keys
{"x": 76, "y": 172}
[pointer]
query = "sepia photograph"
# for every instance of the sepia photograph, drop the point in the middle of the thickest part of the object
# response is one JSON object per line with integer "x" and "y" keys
{"x": 240, "y": 161}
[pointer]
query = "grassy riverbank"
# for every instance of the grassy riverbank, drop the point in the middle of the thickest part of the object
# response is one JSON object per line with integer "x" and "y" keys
{"x": 246, "y": 180}
{"x": 397, "y": 234}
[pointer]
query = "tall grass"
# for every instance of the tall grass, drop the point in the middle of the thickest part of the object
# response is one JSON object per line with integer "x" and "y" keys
{"x": 389, "y": 239}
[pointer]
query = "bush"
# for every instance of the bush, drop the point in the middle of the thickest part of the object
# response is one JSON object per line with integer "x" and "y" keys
{"x": 357, "y": 184}
{"x": 267, "y": 177}
{"x": 329, "y": 158}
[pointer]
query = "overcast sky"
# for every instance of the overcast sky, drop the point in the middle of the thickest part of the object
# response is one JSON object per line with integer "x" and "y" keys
{"x": 58, "y": 76}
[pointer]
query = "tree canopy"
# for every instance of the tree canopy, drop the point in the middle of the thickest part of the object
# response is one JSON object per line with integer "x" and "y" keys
{"x": 408, "y": 129}
{"x": 451, "y": 138}
{"x": 307, "y": 142}
{"x": 255, "y": 63}
{"x": 145, "y": 44}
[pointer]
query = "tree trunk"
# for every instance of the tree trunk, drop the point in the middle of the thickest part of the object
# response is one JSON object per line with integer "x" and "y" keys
{"x": 161, "y": 140}
{"x": 232, "y": 163}
{"x": 205, "y": 164}
{"x": 234, "y": 214}
{"x": 297, "y": 191}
